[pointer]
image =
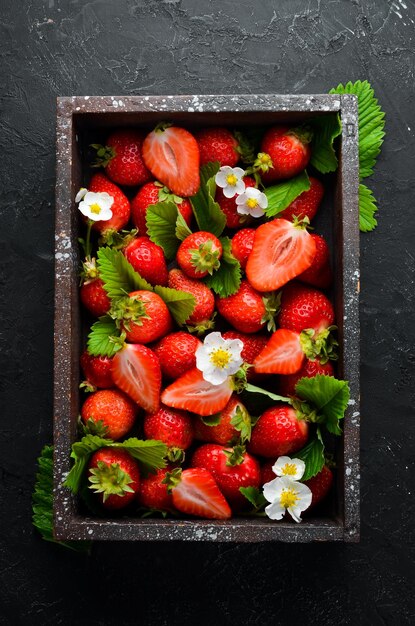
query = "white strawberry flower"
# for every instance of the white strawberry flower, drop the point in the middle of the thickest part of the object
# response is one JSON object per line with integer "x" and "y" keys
{"x": 230, "y": 180}
{"x": 217, "y": 358}
{"x": 95, "y": 206}
{"x": 286, "y": 494}
{"x": 293, "y": 468}
{"x": 81, "y": 194}
{"x": 252, "y": 202}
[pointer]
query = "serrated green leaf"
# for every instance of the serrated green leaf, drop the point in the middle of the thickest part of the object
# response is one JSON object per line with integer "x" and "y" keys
{"x": 367, "y": 209}
{"x": 325, "y": 130}
{"x": 118, "y": 274}
{"x": 227, "y": 279}
{"x": 313, "y": 456}
{"x": 241, "y": 420}
{"x": 211, "y": 420}
{"x": 161, "y": 220}
{"x": 254, "y": 496}
{"x": 254, "y": 389}
{"x": 181, "y": 304}
{"x": 99, "y": 339}
{"x": 208, "y": 214}
{"x": 182, "y": 230}
{"x": 150, "y": 453}
{"x": 281, "y": 195}
{"x": 328, "y": 395}
{"x": 81, "y": 451}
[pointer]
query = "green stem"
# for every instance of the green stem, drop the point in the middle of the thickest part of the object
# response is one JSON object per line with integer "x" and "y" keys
{"x": 273, "y": 396}
{"x": 88, "y": 240}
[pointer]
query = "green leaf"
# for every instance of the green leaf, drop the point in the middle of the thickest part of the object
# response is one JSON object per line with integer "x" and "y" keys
{"x": 242, "y": 422}
{"x": 99, "y": 339}
{"x": 81, "y": 451}
{"x": 367, "y": 209}
{"x": 254, "y": 496}
{"x": 325, "y": 130}
{"x": 227, "y": 279}
{"x": 180, "y": 303}
{"x": 150, "y": 452}
{"x": 207, "y": 212}
{"x": 313, "y": 456}
{"x": 328, "y": 395}
{"x": 280, "y": 196}
{"x": 211, "y": 420}
{"x": 118, "y": 274}
{"x": 254, "y": 389}
{"x": 161, "y": 220}
{"x": 182, "y": 230}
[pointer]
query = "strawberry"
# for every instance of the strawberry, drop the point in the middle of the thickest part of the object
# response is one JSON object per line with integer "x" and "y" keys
{"x": 120, "y": 208}
{"x": 319, "y": 273}
{"x": 200, "y": 319}
{"x": 217, "y": 144}
{"x": 172, "y": 427}
{"x": 320, "y": 485}
{"x": 266, "y": 472}
{"x": 148, "y": 260}
{"x": 94, "y": 297}
{"x": 136, "y": 370}
{"x": 283, "y": 354}
{"x": 97, "y": 370}
{"x": 172, "y": 156}
{"x": 122, "y": 158}
{"x": 245, "y": 472}
{"x": 289, "y": 152}
{"x": 281, "y": 251}
{"x": 242, "y": 244}
{"x": 229, "y": 206}
{"x": 114, "y": 476}
{"x": 153, "y": 193}
{"x": 177, "y": 353}
{"x": 199, "y": 254}
{"x": 253, "y": 345}
{"x": 195, "y": 492}
{"x": 277, "y": 432}
{"x": 306, "y": 204}
{"x": 153, "y": 493}
{"x": 113, "y": 409}
{"x": 143, "y": 316}
{"x": 245, "y": 310}
{"x": 193, "y": 393}
{"x": 309, "y": 369}
{"x": 223, "y": 432}
{"x": 303, "y": 307}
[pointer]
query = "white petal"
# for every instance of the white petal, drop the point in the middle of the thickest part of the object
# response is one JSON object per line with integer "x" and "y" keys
{"x": 294, "y": 511}
{"x": 273, "y": 489}
{"x": 275, "y": 511}
{"x": 239, "y": 172}
{"x": 81, "y": 194}
{"x": 220, "y": 179}
{"x": 279, "y": 464}
{"x": 263, "y": 201}
{"x": 305, "y": 496}
{"x": 240, "y": 186}
{"x": 242, "y": 198}
{"x": 215, "y": 377}
{"x": 252, "y": 192}
{"x": 213, "y": 340}
{"x": 235, "y": 346}
{"x": 90, "y": 197}
{"x": 257, "y": 212}
{"x": 233, "y": 366}
{"x": 242, "y": 210}
{"x": 104, "y": 215}
{"x": 229, "y": 191}
{"x": 202, "y": 358}
{"x": 106, "y": 201}
{"x": 85, "y": 210}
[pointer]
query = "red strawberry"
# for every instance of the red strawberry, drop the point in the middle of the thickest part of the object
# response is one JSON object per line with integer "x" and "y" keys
{"x": 205, "y": 300}
{"x": 229, "y": 206}
{"x": 253, "y": 345}
{"x": 223, "y": 432}
{"x": 153, "y": 193}
{"x": 289, "y": 152}
{"x": 172, "y": 156}
{"x": 283, "y": 354}
{"x": 136, "y": 370}
{"x": 148, "y": 260}
{"x": 172, "y": 427}
{"x": 113, "y": 408}
{"x": 199, "y": 254}
{"x": 153, "y": 492}
{"x": 97, "y": 370}
{"x": 245, "y": 473}
{"x": 242, "y": 244}
{"x": 120, "y": 207}
{"x": 266, "y": 472}
{"x": 281, "y": 251}
{"x": 177, "y": 353}
{"x": 114, "y": 476}
{"x": 320, "y": 485}
{"x": 309, "y": 369}
{"x": 217, "y": 144}
{"x": 277, "y": 432}
{"x": 122, "y": 157}
{"x": 319, "y": 273}
{"x": 143, "y": 316}
{"x": 196, "y": 493}
{"x": 306, "y": 204}
{"x": 193, "y": 393}
{"x": 94, "y": 297}
{"x": 245, "y": 310}
{"x": 303, "y": 307}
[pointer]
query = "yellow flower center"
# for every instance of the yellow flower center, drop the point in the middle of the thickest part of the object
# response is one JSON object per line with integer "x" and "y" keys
{"x": 288, "y": 498}
{"x": 252, "y": 203}
{"x": 220, "y": 358}
{"x": 95, "y": 208}
{"x": 231, "y": 179}
{"x": 289, "y": 469}
{"x": 265, "y": 158}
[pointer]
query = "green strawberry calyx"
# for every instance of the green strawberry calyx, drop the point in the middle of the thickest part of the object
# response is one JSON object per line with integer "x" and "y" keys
{"x": 272, "y": 303}
{"x": 205, "y": 258}
{"x": 235, "y": 456}
{"x": 105, "y": 154}
{"x": 165, "y": 194}
{"x": 202, "y": 327}
{"x": 172, "y": 479}
{"x": 321, "y": 346}
{"x": 128, "y": 310}
{"x": 110, "y": 480}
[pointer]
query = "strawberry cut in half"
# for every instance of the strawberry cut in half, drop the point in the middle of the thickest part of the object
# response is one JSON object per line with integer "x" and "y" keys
{"x": 172, "y": 156}
{"x": 282, "y": 250}
{"x": 283, "y": 354}
{"x": 193, "y": 393}
{"x": 195, "y": 492}
{"x": 136, "y": 371}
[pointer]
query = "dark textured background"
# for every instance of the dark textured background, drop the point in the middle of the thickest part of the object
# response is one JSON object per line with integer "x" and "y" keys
{"x": 66, "y": 47}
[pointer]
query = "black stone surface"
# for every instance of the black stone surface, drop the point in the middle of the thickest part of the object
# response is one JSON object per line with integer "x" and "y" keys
{"x": 50, "y": 48}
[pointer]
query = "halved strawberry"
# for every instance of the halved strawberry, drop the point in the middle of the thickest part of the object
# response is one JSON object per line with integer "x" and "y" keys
{"x": 283, "y": 354}
{"x": 196, "y": 493}
{"x": 193, "y": 393}
{"x": 136, "y": 371}
{"x": 281, "y": 251}
{"x": 172, "y": 156}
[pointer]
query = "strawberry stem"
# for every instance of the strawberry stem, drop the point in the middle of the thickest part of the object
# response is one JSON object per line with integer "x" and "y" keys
{"x": 109, "y": 480}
